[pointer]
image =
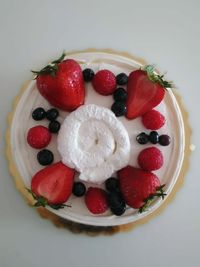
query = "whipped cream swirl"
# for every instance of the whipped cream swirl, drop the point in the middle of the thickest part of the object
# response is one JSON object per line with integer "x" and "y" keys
{"x": 94, "y": 142}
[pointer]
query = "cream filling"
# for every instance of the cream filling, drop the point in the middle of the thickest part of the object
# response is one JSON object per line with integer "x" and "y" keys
{"x": 94, "y": 142}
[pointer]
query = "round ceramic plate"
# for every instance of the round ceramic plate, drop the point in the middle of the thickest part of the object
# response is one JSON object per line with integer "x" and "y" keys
{"x": 25, "y": 157}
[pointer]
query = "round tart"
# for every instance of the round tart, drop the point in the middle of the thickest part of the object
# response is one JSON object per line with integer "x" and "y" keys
{"x": 96, "y": 144}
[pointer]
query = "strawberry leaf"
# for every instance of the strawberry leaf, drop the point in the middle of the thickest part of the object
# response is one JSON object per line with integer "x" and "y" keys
{"x": 58, "y": 206}
{"x": 60, "y": 59}
{"x": 43, "y": 202}
{"x": 156, "y": 78}
{"x": 147, "y": 202}
{"x": 50, "y": 68}
{"x": 31, "y": 192}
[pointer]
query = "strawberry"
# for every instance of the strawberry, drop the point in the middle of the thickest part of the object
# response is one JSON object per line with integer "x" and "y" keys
{"x": 96, "y": 200}
{"x": 104, "y": 82}
{"x": 38, "y": 137}
{"x": 145, "y": 90}
{"x": 150, "y": 159}
{"x": 153, "y": 120}
{"x": 52, "y": 185}
{"x": 61, "y": 84}
{"x": 139, "y": 187}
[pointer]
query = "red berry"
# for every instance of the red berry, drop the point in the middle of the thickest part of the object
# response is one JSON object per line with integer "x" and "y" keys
{"x": 153, "y": 120}
{"x": 96, "y": 200}
{"x": 54, "y": 182}
{"x": 63, "y": 88}
{"x": 38, "y": 137}
{"x": 142, "y": 94}
{"x": 150, "y": 159}
{"x": 137, "y": 185}
{"x": 104, "y": 82}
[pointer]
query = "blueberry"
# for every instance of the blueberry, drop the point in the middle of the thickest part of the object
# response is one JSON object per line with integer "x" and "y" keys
{"x": 118, "y": 210}
{"x": 45, "y": 157}
{"x": 119, "y": 109}
{"x": 52, "y": 114}
{"x": 88, "y": 75}
{"x": 38, "y": 114}
{"x": 154, "y": 137}
{"x": 115, "y": 199}
{"x": 164, "y": 140}
{"x": 116, "y": 203}
{"x": 54, "y": 126}
{"x": 112, "y": 184}
{"x": 79, "y": 189}
{"x": 142, "y": 138}
{"x": 120, "y": 94}
{"x": 122, "y": 79}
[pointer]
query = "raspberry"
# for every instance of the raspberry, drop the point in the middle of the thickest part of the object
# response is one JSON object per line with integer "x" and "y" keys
{"x": 153, "y": 120}
{"x": 150, "y": 159}
{"x": 96, "y": 200}
{"x": 104, "y": 82}
{"x": 38, "y": 137}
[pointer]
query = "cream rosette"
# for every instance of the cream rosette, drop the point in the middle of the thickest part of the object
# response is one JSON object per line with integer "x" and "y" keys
{"x": 94, "y": 142}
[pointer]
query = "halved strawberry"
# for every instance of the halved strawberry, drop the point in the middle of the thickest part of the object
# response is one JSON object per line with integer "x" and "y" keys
{"x": 145, "y": 90}
{"x": 139, "y": 187}
{"x": 52, "y": 185}
{"x": 61, "y": 84}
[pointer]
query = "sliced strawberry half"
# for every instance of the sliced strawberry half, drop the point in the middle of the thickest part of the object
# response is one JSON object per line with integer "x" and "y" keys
{"x": 145, "y": 90}
{"x": 52, "y": 185}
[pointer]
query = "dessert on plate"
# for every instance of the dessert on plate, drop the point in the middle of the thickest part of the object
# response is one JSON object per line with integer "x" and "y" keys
{"x": 98, "y": 138}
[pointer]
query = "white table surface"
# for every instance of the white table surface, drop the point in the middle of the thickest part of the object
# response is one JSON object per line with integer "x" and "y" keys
{"x": 163, "y": 32}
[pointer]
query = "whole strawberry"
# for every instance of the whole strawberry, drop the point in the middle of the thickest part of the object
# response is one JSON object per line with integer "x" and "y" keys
{"x": 96, "y": 200}
{"x": 52, "y": 185}
{"x": 139, "y": 187}
{"x": 61, "y": 84}
{"x": 145, "y": 90}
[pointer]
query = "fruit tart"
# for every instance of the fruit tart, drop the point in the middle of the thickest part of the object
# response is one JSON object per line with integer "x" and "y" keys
{"x": 98, "y": 138}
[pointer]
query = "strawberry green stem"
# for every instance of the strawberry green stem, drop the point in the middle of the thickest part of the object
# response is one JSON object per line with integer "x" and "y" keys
{"x": 50, "y": 68}
{"x": 147, "y": 202}
{"x": 43, "y": 202}
{"x": 156, "y": 78}
{"x": 60, "y": 59}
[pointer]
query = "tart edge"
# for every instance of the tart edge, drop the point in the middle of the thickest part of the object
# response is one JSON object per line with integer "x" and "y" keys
{"x": 95, "y": 230}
